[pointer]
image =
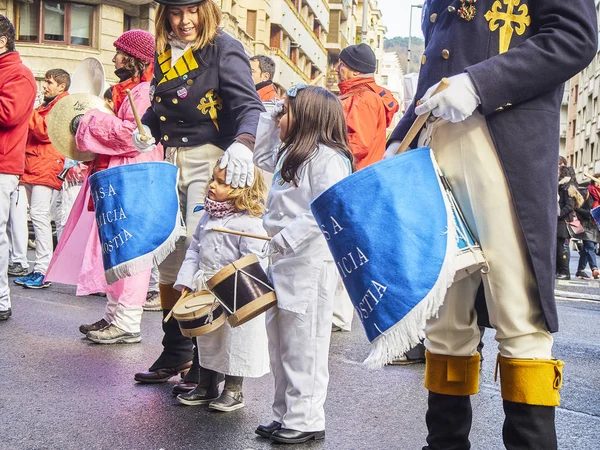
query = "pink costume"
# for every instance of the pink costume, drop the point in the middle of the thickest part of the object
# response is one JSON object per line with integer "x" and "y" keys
{"x": 78, "y": 256}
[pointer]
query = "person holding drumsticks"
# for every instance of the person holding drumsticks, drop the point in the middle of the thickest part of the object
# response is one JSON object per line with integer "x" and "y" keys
{"x": 304, "y": 144}
{"x": 234, "y": 352}
{"x": 204, "y": 107}
{"x": 109, "y": 136}
{"x": 496, "y": 140}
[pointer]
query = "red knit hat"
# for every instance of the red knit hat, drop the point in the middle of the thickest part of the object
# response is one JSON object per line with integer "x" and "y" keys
{"x": 137, "y": 43}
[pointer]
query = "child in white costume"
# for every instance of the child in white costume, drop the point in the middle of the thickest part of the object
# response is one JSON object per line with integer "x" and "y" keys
{"x": 306, "y": 148}
{"x": 235, "y": 352}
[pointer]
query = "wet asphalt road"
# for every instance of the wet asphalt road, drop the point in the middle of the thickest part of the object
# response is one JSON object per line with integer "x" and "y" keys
{"x": 58, "y": 391}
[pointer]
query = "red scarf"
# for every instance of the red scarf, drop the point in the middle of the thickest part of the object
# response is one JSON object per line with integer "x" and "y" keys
{"x": 595, "y": 193}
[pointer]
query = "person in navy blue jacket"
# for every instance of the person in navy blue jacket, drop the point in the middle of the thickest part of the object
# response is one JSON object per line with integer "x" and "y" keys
{"x": 495, "y": 136}
{"x": 204, "y": 108}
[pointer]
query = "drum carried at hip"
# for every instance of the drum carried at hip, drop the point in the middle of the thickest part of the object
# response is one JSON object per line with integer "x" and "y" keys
{"x": 237, "y": 293}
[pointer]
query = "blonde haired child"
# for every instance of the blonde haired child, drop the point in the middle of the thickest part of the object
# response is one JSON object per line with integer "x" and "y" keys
{"x": 234, "y": 352}
{"x": 306, "y": 148}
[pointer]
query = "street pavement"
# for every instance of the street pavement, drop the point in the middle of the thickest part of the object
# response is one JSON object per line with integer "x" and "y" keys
{"x": 59, "y": 391}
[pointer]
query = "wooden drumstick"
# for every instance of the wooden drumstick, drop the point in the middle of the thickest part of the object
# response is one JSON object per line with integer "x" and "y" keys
{"x": 420, "y": 120}
{"x": 241, "y": 233}
{"x": 592, "y": 178}
{"x": 140, "y": 128}
{"x": 166, "y": 319}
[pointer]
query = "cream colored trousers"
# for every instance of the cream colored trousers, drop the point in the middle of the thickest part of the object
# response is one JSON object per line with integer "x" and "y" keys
{"x": 468, "y": 159}
{"x": 195, "y": 170}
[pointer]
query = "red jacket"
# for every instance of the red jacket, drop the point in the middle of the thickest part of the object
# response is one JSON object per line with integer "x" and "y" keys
{"x": 267, "y": 93}
{"x": 369, "y": 110}
{"x": 17, "y": 94}
{"x": 42, "y": 161}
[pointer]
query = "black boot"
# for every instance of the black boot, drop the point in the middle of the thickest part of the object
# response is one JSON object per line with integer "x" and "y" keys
{"x": 177, "y": 349}
{"x": 232, "y": 397}
{"x": 448, "y": 421}
{"x": 206, "y": 391}
{"x": 528, "y": 427}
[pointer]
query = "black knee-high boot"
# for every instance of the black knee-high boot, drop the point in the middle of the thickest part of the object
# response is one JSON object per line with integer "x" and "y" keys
{"x": 528, "y": 426}
{"x": 448, "y": 421}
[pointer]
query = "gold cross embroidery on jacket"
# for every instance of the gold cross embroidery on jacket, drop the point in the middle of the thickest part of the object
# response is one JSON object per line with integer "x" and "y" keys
{"x": 210, "y": 104}
{"x": 509, "y": 17}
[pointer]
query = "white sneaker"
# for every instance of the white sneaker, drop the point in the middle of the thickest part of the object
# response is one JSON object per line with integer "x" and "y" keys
{"x": 112, "y": 334}
{"x": 152, "y": 302}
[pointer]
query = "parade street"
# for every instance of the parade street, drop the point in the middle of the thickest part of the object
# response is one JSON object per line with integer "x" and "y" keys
{"x": 59, "y": 391}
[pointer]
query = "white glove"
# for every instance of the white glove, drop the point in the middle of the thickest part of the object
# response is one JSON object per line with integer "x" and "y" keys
{"x": 240, "y": 169}
{"x": 144, "y": 146}
{"x": 455, "y": 103}
{"x": 277, "y": 109}
{"x": 392, "y": 149}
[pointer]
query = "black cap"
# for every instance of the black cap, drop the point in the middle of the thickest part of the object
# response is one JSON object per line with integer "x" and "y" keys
{"x": 360, "y": 58}
{"x": 179, "y": 2}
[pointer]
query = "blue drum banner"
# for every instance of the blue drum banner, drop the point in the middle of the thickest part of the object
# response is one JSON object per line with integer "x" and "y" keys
{"x": 391, "y": 232}
{"x": 137, "y": 214}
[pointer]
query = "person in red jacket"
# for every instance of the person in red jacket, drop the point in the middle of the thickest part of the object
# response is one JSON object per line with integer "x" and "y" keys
{"x": 263, "y": 71}
{"x": 369, "y": 108}
{"x": 17, "y": 94}
{"x": 43, "y": 163}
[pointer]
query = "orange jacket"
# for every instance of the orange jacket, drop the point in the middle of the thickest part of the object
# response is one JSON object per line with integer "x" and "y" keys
{"x": 369, "y": 110}
{"x": 267, "y": 93}
{"x": 42, "y": 161}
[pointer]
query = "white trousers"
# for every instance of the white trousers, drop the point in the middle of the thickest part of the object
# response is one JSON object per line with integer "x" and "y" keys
{"x": 153, "y": 284}
{"x": 195, "y": 170}
{"x": 40, "y": 199}
{"x": 127, "y": 318}
{"x": 17, "y": 227}
{"x": 8, "y": 184}
{"x": 299, "y": 354}
{"x": 343, "y": 309}
{"x": 468, "y": 158}
{"x": 125, "y": 300}
{"x": 62, "y": 204}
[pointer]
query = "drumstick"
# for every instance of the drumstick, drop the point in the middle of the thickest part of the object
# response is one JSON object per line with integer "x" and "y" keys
{"x": 592, "y": 178}
{"x": 241, "y": 233}
{"x": 140, "y": 128}
{"x": 420, "y": 121}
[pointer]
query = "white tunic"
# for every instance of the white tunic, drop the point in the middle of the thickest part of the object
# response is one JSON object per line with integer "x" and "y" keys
{"x": 240, "y": 351}
{"x": 297, "y": 272}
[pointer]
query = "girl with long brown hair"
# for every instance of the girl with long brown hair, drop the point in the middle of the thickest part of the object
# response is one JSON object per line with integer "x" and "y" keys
{"x": 306, "y": 148}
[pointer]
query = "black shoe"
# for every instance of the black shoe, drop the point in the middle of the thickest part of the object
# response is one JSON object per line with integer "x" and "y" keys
{"x": 96, "y": 326}
{"x": 267, "y": 430}
{"x": 183, "y": 387}
{"x": 228, "y": 401}
{"x": 5, "y": 314}
{"x": 563, "y": 276}
{"x": 287, "y": 436}
{"x": 199, "y": 396}
{"x": 161, "y": 375}
{"x": 582, "y": 274}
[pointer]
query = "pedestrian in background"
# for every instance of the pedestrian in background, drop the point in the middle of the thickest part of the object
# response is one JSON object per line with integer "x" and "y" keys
{"x": 566, "y": 211}
{"x": 591, "y": 234}
{"x": 263, "y": 71}
{"x": 43, "y": 164}
{"x": 17, "y": 94}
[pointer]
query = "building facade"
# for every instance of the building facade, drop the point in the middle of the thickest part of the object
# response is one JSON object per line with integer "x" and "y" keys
{"x": 582, "y": 133}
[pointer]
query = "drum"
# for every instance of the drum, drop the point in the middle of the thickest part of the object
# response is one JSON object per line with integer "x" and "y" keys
{"x": 198, "y": 314}
{"x": 243, "y": 289}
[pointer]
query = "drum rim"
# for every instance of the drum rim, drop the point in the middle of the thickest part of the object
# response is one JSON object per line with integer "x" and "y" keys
{"x": 245, "y": 314}
{"x": 207, "y": 328}
{"x": 230, "y": 269}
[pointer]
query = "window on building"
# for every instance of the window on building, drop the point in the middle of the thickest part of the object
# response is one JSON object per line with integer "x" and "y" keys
{"x": 44, "y": 21}
{"x": 128, "y": 22}
{"x": 251, "y": 23}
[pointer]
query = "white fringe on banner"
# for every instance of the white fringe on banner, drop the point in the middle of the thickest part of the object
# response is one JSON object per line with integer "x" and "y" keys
{"x": 410, "y": 330}
{"x": 147, "y": 261}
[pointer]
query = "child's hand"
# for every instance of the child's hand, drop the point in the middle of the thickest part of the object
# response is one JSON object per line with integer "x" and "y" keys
{"x": 185, "y": 291}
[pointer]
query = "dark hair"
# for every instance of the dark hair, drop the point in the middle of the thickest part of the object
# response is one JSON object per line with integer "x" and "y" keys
{"x": 266, "y": 64}
{"x": 7, "y": 30}
{"x": 135, "y": 66}
{"x": 562, "y": 161}
{"x": 317, "y": 119}
{"x": 60, "y": 76}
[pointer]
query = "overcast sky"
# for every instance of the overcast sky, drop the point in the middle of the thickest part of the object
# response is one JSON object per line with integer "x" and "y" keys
{"x": 396, "y": 17}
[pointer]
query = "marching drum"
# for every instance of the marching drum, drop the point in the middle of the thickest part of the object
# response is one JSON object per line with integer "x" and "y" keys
{"x": 199, "y": 313}
{"x": 243, "y": 289}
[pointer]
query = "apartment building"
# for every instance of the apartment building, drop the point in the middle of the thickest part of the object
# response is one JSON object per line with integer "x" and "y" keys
{"x": 582, "y": 132}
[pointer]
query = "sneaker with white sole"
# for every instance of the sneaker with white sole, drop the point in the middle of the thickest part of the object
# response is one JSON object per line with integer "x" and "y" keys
{"x": 112, "y": 334}
{"x": 152, "y": 302}
{"x": 22, "y": 280}
{"x": 17, "y": 270}
{"x": 37, "y": 281}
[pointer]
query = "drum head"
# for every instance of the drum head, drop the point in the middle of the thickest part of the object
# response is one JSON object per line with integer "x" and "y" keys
{"x": 194, "y": 306}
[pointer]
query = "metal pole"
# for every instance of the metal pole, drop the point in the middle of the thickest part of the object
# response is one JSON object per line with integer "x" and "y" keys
{"x": 365, "y": 22}
{"x": 410, "y": 36}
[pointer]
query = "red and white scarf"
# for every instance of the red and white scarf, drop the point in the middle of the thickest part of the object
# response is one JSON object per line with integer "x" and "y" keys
{"x": 219, "y": 209}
